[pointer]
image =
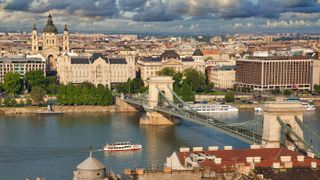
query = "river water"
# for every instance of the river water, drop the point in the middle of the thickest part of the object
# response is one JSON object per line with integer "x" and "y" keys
{"x": 52, "y": 146}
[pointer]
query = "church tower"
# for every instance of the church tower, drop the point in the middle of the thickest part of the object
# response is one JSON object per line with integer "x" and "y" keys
{"x": 50, "y": 48}
{"x": 49, "y": 35}
{"x": 34, "y": 35}
{"x": 66, "y": 46}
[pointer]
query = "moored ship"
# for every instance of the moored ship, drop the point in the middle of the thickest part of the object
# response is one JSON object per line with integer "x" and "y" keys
{"x": 212, "y": 108}
{"x": 122, "y": 146}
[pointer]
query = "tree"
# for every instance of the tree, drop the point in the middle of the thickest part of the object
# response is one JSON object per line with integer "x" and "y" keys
{"x": 229, "y": 97}
{"x": 10, "y": 102}
{"x": 52, "y": 84}
{"x": 208, "y": 87}
{"x": 287, "y": 92}
{"x": 166, "y": 71}
{"x": 317, "y": 88}
{"x": 12, "y": 83}
{"x": 28, "y": 102}
{"x": 35, "y": 78}
{"x": 136, "y": 85}
{"x": 195, "y": 79}
{"x": 186, "y": 92}
{"x": 84, "y": 94}
{"x": 37, "y": 94}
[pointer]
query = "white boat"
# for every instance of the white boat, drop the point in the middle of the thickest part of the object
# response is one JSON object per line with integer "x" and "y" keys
{"x": 122, "y": 146}
{"x": 258, "y": 109}
{"x": 308, "y": 106}
{"x": 212, "y": 108}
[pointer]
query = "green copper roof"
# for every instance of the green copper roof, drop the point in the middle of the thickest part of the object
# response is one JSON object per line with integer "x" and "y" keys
{"x": 50, "y": 27}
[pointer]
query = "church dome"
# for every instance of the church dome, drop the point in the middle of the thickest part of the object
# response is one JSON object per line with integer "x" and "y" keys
{"x": 50, "y": 27}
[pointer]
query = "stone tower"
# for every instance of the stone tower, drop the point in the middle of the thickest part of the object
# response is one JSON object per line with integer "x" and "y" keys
{"x": 66, "y": 47}
{"x": 287, "y": 112}
{"x": 90, "y": 169}
{"x": 156, "y": 84}
{"x": 34, "y": 34}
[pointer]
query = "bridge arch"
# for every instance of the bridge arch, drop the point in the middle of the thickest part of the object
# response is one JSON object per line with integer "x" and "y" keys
{"x": 159, "y": 84}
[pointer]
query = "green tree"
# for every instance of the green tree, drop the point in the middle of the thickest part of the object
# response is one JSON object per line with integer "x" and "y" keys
{"x": 84, "y": 94}
{"x": 9, "y": 102}
{"x": 136, "y": 85}
{"x": 28, "y": 102}
{"x": 166, "y": 71}
{"x": 37, "y": 94}
{"x": 317, "y": 88}
{"x": 52, "y": 84}
{"x": 195, "y": 79}
{"x": 35, "y": 78}
{"x": 12, "y": 83}
{"x": 186, "y": 92}
{"x": 287, "y": 92}
{"x": 229, "y": 97}
{"x": 208, "y": 87}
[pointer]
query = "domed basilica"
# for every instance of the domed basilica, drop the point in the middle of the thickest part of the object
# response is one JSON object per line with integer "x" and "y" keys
{"x": 50, "y": 44}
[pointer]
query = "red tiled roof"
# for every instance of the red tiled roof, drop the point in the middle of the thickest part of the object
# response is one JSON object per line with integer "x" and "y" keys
{"x": 207, "y": 52}
{"x": 232, "y": 157}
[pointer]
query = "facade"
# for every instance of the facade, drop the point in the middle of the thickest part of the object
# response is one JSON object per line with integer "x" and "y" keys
{"x": 21, "y": 65}
{"x": 149, "y": 66}
{"x": 223, "y": 77}
{"x": 96, "y": 69}
{"x": 48, "y": 44}
{"x": 268, "y": 73}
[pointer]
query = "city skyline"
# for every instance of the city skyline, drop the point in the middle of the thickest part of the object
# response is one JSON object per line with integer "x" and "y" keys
{"x": 164, "y": 16}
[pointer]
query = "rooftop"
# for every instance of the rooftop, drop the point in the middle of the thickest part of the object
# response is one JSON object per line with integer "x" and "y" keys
{"x": 280, "y": 57}
{"x": 261, "y": 157}
{"x": 91, "y": 163}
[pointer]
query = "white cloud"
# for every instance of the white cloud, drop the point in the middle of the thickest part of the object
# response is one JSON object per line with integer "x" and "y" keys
{"x": 289, "y": 24}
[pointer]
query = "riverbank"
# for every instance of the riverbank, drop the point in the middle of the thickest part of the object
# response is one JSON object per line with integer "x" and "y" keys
{"x": 120, "y": 106}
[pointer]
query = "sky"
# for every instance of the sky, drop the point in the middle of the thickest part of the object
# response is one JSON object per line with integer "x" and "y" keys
{"x": 164, "y": 16}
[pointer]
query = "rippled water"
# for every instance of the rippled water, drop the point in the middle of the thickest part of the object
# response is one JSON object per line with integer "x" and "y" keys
{"x": 52, "y": 146}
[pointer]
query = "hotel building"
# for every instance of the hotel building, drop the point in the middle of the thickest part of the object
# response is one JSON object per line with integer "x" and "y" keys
{"x": 272, "y": 72}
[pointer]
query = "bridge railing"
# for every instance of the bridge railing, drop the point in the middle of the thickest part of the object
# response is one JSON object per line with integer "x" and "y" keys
{"x": 307, "y": 147}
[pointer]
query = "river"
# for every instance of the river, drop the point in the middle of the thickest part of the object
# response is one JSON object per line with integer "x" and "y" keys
{"x": 52, "y": 146}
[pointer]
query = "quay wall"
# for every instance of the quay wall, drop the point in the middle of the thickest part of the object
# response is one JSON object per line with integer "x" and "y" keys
{"x": 120, "y": 106}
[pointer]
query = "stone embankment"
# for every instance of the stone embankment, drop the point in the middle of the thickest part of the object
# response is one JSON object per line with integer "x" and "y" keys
{"x": 120, "y": 106}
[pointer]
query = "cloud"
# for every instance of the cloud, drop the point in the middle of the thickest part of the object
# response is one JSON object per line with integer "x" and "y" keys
{"x": 155, "y": 10}
{"x": 102, "y": 8}
{"x": 166, "y": 10}
{"x": 131, "y": 5}
{"x": 289, "y": 24}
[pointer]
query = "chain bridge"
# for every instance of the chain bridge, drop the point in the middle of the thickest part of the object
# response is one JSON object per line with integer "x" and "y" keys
{"x": 282, "y": 124}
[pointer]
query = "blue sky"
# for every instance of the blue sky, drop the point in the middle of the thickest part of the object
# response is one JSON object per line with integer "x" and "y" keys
{"x": 171, "y": 16}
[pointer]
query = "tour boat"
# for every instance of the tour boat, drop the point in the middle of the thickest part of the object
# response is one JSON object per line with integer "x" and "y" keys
{"x": 308, "y": 106}
{"x": 122, "y": 146}
{"x": 212, "y": 108}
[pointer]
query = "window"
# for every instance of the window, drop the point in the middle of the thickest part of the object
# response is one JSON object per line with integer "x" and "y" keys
{"x": 99, "y": 71}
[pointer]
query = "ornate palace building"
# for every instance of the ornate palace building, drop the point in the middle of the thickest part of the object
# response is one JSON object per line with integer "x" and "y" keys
{"x": 96, "y": 69}
{"x": 48, "y": 45}
{"x": 149, "y": 66}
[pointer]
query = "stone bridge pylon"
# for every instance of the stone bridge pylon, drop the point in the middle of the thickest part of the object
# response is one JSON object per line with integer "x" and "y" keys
{"x": 156, "y": 84}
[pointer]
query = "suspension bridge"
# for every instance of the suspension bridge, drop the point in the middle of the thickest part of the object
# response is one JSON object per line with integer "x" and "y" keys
{"x": 282, "y": 124}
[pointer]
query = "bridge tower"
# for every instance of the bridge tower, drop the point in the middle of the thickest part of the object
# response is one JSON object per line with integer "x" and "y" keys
{"x": 156, "y": 84}
{"x": 272, "y": 129}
